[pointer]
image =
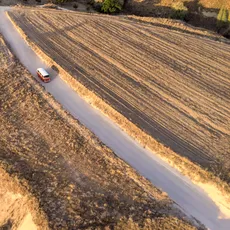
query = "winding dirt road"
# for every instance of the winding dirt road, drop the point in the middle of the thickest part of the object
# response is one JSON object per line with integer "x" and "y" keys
{"x": 190, "y": 198}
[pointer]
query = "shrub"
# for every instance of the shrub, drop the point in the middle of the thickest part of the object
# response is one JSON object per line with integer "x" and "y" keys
{"x": 90, "y": 2}
{"x": 111, "y": 6}
{"x": 97, "y": 6}
{"x": 222, "y": 18}
{"x": 61, "y": 1}
{"x": 179, "y": 11}
{"x": 75, "y": 5}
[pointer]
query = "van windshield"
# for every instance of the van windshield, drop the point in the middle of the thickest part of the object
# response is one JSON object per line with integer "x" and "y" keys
{"x": 46, "y": 76}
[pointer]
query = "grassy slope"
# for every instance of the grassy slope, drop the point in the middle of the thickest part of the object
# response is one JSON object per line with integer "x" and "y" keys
{"x": 77, "y": 181}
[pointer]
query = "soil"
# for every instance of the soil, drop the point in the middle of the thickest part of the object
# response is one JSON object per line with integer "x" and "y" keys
{"x": 172, "y": 84}
{"x": 18, "y": 209}
{"x": 65, "y": 175}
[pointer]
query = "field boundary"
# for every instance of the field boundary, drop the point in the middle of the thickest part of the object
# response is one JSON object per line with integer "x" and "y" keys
{"x": 198, "y": 175}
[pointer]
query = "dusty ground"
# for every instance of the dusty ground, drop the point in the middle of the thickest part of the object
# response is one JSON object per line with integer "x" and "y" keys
{"x": 74, "y": 181}
{"x": 18, "y": 208}
{"x": 6, "y": 58}
{"x": 172, "y": 84}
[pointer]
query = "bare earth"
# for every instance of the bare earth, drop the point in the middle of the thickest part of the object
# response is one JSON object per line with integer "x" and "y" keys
{"x": 52, "y": 167}
{"x": 172, "y": 84}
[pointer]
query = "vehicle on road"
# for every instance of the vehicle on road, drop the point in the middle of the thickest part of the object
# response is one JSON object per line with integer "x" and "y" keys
{"x": 45, "y": 77}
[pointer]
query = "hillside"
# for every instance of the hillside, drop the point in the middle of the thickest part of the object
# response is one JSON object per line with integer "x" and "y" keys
{"x": 55, "y": 174}
{"x": 171, "y": 84}
{"x": 164, "y": 7}
{"x": 199, "y": 13}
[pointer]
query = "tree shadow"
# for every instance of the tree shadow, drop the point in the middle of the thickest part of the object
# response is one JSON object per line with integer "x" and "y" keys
{"x": 193, "y": 15}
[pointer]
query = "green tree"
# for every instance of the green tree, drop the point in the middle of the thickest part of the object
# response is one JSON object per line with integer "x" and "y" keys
{"x": 111, "y": 6}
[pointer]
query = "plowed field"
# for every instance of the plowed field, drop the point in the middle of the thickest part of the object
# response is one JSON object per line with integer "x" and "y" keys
{"x": 173, "y": 85}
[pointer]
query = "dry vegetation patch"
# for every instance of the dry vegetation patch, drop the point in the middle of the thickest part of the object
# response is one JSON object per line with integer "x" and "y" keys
{"x": 180, "y": 26}
{"x": 19, "y": 210}
{"x": 6, "y": 58}
{"x": 76, "y": 180}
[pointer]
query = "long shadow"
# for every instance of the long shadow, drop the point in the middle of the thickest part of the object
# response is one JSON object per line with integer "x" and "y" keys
{"x": 193, "y": 16}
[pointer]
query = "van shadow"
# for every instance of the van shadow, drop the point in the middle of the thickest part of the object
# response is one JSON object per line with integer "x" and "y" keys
{"x": 53, "y": 71}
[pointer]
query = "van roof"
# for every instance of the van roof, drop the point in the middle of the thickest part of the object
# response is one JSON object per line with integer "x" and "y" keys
{"x": 42, "y": 71}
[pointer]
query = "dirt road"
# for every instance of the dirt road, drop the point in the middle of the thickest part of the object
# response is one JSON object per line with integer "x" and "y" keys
{"x": 191, "y": 198}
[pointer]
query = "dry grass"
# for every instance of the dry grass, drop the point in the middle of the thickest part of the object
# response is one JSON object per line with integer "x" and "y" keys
{"x": 213, "y": 4}
{"x": 179, "y": 26}
{"x": 6, "y": 58}
{"x": 76, "y": 181}
{"x": 19, "y": 210}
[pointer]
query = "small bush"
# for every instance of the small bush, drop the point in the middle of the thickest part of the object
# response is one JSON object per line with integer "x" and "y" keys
{"x": 75, "y": 6}
{"x": 222, "y": 18}
{"x": 179, "y": 11}
{"x": 97, "y": 6}
{"x": 60, "y": 1}
{"x": 91, "y": 2}
{"x": 111, "y": 6}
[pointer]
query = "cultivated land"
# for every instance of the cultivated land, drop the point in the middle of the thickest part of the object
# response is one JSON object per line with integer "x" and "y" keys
{"x": 171, "y": 84}
{"x": 55, "y": 174}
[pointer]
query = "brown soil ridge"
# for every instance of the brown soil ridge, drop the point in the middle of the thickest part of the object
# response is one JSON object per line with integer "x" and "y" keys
{"x": 74, "y": 180}
{"x": 193, "y": 171}
{"x": 19, "y": 209}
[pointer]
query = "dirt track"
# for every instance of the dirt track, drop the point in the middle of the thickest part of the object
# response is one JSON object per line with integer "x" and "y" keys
{"x": 173, "y": 85}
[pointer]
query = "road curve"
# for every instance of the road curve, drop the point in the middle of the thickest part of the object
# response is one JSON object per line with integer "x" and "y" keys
{"x": 192, "y": 199}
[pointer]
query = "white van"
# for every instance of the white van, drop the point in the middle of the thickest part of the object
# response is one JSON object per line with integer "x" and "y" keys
{"x": 43, "y": 75}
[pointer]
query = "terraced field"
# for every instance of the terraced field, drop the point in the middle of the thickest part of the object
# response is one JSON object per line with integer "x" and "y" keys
{"x": 173, "y": 85}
